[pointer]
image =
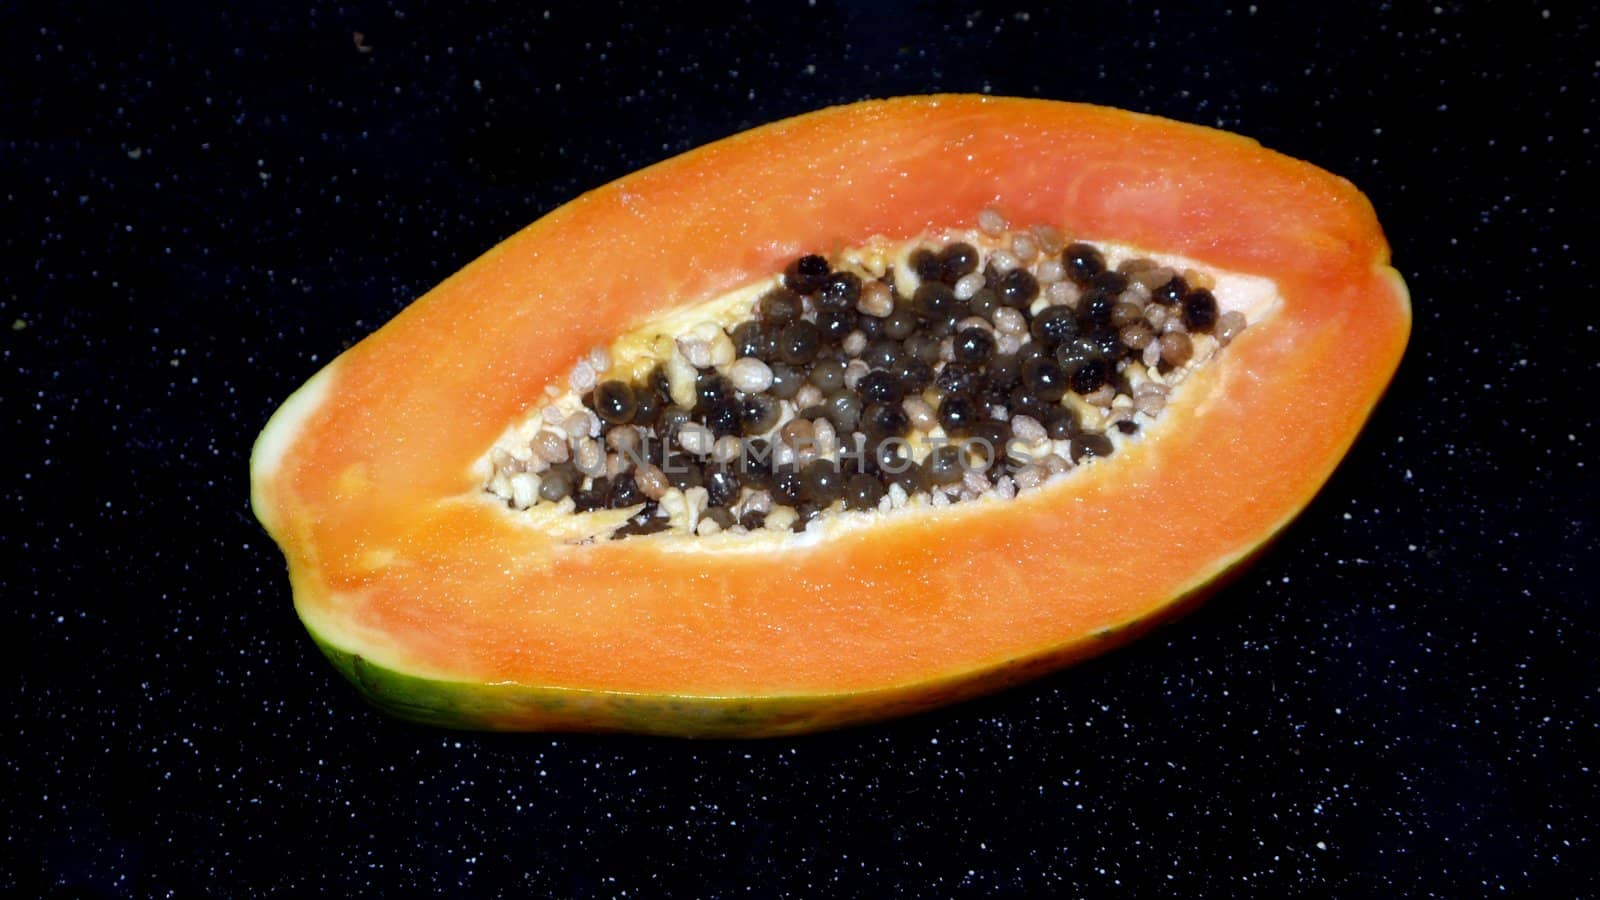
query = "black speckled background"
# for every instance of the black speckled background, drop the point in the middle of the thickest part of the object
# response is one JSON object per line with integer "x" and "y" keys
{"x": 201, "y": 207}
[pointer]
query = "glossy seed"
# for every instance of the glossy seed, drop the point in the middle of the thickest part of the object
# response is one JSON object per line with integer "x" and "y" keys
{"x": 786, "y": 380}
{"x": 934, "y": 300}
{"x": 823, "y": 482}
{"x": 779, "y": 306}
{"x": 1199, "y": 310}
{"x": 1171, "y": 292}
{"x": 614, "y": 402}
{"x": 1094, "y": 308}
{"x": 973, "y": 346}
{"x": 1045, "y": 378}
{"x": 833, "y": 325}
{"x": 926, "y": 264}
{"x": 863, "y": 492}
{"x": 1089, "y": 376}
{"x": 1054, "y": 325}
{"x": 557, "y": 482}
{"x": 807, "y": 274}
{"x": 957, "y": 378}
{"x": 880, "y": 386}
{"x": 843, "y": 409}
{"x": 957, "y": 260}
{"x": 828, "y": 375}
{"x": 1060, "y": 423}
{"x": 957, "y": 414}
{"x": 624, "y": 492}
{"x": 881, "y": 354}
{"x": 945, "y": 465}
{"x": 900, "y": 324}
{"x": 798, "y": 343}
{"x": 1090, "y": 445}
{"x": 1082, "y": 262}
{"x": 914, "y": 374}
{"x": 840, "y": 292}
{"x": 722, "y": 485}
{"x": 1017, "y": 288}
{"x": 884, "y": 420}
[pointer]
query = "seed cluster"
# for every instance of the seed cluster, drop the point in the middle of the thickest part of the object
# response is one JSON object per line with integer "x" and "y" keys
{"x": 999, "y": 371}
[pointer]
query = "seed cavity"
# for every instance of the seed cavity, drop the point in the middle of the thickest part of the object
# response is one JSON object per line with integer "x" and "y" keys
{"x": 983, "y": 365}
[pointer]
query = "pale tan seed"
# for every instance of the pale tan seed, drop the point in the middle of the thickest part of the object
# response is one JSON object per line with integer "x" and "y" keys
{"x": 652, "y": 481}
{"x": 808, "y": 395}
{"x": 1137, "y": 335}
{"x": 582, "y": 378}
{"x": 797, "y": 432}
{"x": 853, "y": 344}
{"x": 589, "y": 457}
{"x": 1028, "y": 430}
{"x": 1148, "y": 389}
{"x": 550, "y": 446}
{"x": 1101, "y": 396}
{"x": 726, "y": 449}
{"x": 1049, "y": 270}
{"x": 1030, "y": 476}
{"x": 1153, "y": 277}
{"x": 1025, "y": 248}
{"x": 1055, "y": 464}
{"x": 1050, "y": 238}
{"x": 696, "y": 351}
{"x": 1156, "y": 315}
{"x": 977, "y": 322}
{"x": 576, "y": 425}
{"x": 1150, "y": 404}
{"x": 707, "y": 527}
{"x": 624, "y": 439}
{"x": 1007, "y": 344}
{"x": 1173, "y": 325}
{"x": 1062, "y": 293}
{"x": 750, "y": 375}
{"x": 1009, "y": 320}
{"x": 975, "y": 481}
{"x": 1004, "y": 261}
{"x": 920, "y": 414}
{"x": 854, "y": 371}
{"x": 616, "y": 464}
{"x": 876, "y": 299}
{"x": 1152, "y": 355}
{"x": 1229, "y": 324}
{"x": 827, "y": 438}
{"x": 1199, "y": 279}
{"x": 695, "y": 439}
{"x": 1176, "y": 348}
{"x": 600, "y": 358}
{"x": 968, "y": 284}
{"x": 1004, "y": 487}
{"x": 525, "y": 490}
{"x": 991, "y": 222}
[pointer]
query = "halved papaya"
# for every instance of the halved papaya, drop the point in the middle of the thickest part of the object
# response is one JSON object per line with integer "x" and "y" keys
{"x": 446, "y": 604}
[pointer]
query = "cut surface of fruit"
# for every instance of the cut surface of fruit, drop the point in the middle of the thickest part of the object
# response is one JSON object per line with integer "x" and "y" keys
{"x": 471, "y": 542}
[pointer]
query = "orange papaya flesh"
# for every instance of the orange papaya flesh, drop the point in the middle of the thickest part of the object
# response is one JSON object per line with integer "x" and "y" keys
{"x": 443, "y": 608}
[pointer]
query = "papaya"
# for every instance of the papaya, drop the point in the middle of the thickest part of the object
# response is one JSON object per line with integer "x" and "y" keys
{"x": 1170, "y": 334}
